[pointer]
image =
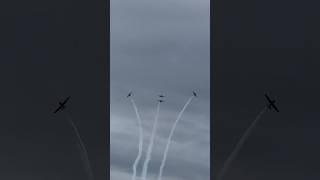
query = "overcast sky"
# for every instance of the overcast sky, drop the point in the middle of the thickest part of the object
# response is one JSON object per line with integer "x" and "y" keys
{"x": 160, "y": 47}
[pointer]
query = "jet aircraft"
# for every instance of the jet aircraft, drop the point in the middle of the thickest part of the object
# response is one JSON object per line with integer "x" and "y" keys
{"x": 194, "y": 94}
{"x": 62, "y": 105}
{"x": 271, "y": 103}
{"x": 130, "y": 94}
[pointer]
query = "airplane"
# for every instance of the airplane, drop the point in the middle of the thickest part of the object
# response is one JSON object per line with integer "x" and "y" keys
{"x": 160, "y": 101}
{"x": 130, "y": 94}
{"x": 62, "y": 105}
{"x": 271, "y": 103}
{"x": 194, "y": 94}
{"x": 161, "y": 96}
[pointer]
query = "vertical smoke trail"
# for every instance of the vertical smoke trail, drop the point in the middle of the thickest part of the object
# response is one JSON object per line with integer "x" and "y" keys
{"x": 140, "y": 140}
{"x": 150, "y": 147}
{"x": 83, "y": 151}
{"x": 170, "y": 136}
{"x": 239, "y": 145}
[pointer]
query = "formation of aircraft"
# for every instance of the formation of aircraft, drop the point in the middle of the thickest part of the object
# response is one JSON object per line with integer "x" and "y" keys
{"x": 271, "y": 103}
{"x": 62, "y": 105}
{"x": 162, "y": 96}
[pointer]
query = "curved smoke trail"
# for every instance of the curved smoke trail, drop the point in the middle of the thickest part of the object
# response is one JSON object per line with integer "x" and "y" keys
{"x": 150, "y": 147}
{"x": 170, "y": 136}
{"x": 83, "y": 151}
{"x": 244, "y": 137}
{"x": 140, "y": 140}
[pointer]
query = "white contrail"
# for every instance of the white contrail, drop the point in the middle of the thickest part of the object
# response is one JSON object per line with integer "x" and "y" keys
{"x": 140, "y": 140}
{"x": 170, "y": 136}
{"x": 238, "y": 146}
{"x": 83, "y": 151}
{"x": 150, "y": 147}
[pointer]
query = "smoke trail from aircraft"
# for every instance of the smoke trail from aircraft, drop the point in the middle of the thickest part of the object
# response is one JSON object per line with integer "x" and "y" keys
{"x": 83, "y": 151}
{"x": 140, "y": 140}
{"x": 150, "y": 147}
{"x": 170, "y": 136}
{"x": 239, "y": 145}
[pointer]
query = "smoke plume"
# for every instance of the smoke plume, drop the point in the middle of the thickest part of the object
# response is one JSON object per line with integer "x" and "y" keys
{"x": 170, "y": 136}
{"x": 239, "y": 145}
{"x": 140, "y": 140}
{"x": 83, "y": 151}
{"x": 150, "y": 147}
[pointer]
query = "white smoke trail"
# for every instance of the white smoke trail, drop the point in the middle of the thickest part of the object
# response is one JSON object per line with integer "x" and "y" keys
{"x": 150, "y": 147}
{"x": 238, "y": 146}
{"x": 140, "y": 141}
{"x": 170, "y": 136}
{"x": 83, "y": 151}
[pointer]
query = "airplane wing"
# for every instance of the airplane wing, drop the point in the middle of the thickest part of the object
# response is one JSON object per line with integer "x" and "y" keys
{"x": 267, "y": 97}
{"x": 66, "y": 100}
{"x": 275, "y": 107}
{"x": 57, "y": 109}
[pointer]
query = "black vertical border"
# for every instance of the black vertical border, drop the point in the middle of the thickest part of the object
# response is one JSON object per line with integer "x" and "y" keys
{"x": 107, "y": 24}
{"x": 212, "y": 15}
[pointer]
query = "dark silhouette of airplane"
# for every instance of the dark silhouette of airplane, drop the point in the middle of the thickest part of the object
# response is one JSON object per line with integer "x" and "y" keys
{"x": 160, "y": 101}
{"x": 194, "y": 94}
{"x": 62, "y": 105}
{"x": 271, "y": 103}
{"x": 161, "y": 96}
{"x": 130, "y": 94}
